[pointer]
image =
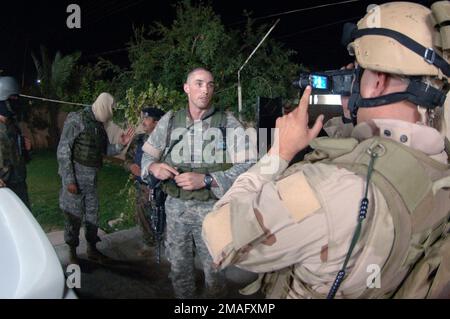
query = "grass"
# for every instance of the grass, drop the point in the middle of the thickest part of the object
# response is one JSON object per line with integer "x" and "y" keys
{"x": 44, "y": 185}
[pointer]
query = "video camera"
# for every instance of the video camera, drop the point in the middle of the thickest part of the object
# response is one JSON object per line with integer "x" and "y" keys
{"x": 336, "y": 82}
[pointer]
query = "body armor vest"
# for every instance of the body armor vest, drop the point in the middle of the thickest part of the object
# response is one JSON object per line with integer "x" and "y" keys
{"x": 416, "y": 190}
{"x": 91, "y": 144}
{"x": 218, "y": 121}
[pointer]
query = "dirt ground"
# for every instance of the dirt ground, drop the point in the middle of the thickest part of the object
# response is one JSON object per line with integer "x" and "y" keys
{"x": 128, "y": 275}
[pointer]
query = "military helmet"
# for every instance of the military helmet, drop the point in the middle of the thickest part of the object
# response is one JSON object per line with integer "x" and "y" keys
{"x": 399, "y": 38}
{"x": 152, "y": 112}
{"x": 8, "y": 87}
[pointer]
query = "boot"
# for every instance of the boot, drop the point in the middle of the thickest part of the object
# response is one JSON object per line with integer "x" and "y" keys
{"x": 94, "y": 254}
{"x": 73, "y": 258}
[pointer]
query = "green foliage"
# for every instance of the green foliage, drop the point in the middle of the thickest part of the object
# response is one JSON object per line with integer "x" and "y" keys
{"x": 197, "y": 37}
{"x": 44, "y": 186}
{"x": 128, "y": 217}
{"x": 91, "y": 80}
{"x": 155, "y": 96}
{"x": 55, "y": 74}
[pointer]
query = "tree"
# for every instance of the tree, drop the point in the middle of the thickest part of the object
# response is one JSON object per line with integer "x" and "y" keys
{"x": 154, "y": 96}
{"x": 197, "y": 37}
{"x": 54, "y": 77}
{"x": 91, "y": 80}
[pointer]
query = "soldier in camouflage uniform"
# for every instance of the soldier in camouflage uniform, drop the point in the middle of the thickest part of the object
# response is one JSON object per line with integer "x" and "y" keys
{"x": 192, "y": 185}
{"x": 14, "y": 147}
{"x": 133, "y": 157}
{"x": 83, "y": 143}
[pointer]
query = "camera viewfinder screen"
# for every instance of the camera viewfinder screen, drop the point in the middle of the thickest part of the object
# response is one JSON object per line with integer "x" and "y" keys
{"x": 319, "y": 82}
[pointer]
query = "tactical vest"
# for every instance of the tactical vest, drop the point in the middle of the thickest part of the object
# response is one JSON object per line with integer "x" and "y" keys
{"x": 91, "y": 143}
{"x": 417, "y": 191}
{"x": 178, "y": 121}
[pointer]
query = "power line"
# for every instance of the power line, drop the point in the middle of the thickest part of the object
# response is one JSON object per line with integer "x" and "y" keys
{"x": 51, "y": 100}
{"x": 298, "y": 10}
{"x": 103, "y": 8}
{"x": 318, "y": 27}
{"x": 119, "y": 9}
{"x": 94, "y": 55}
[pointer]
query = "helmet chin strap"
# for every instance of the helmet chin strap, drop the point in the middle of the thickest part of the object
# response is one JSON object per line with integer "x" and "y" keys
{"x": 417, "y": 92}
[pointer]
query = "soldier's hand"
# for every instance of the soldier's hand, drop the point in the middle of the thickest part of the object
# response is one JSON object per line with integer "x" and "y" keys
{"x": 72, "y": 188}
{"x": 162, "y": 171}
{"x": 2, "y": 183}
{"x": 190, "y": 181}
{"x": 135, "y": 170}
{"x": 293, "y": 134}
{"x": 128, "y": 136}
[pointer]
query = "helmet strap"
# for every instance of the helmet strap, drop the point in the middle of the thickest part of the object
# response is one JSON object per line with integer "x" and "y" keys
{"x": 417, "y": 92}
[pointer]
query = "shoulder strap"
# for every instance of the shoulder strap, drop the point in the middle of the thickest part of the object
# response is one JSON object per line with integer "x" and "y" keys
{"x": 407, "y": 188}
{"x": 219, "y": 119}
{"x": 178, "y": 120}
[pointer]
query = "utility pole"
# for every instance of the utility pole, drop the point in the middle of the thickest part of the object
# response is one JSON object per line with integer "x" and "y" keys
{"x": 245, "y": 63}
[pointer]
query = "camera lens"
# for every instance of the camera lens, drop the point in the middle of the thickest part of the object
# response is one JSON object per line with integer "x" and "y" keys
{"x": 302, "y": 82}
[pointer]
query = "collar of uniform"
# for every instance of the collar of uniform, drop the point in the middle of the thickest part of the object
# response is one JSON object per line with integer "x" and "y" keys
{"x": 90, "y": 113}
{"x": 420, "y": 137}
{"x": 207, "y": 114}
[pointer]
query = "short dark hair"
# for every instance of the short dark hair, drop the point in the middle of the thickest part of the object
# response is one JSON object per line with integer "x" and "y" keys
{"x": 153, "y": 112}
{"x": 196, "y": 70}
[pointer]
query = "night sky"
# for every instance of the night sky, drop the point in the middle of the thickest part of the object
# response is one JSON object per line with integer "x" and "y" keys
{"x": 107, "y": 26}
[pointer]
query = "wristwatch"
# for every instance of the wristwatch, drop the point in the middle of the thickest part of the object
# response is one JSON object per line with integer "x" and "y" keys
{"x": 208, "y": 181}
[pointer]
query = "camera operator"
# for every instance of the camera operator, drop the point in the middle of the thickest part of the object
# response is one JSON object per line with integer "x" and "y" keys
{"x": 361, "y": 211}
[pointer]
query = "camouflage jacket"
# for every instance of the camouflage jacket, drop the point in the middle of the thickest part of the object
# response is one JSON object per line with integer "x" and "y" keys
{"x": 12, "y": 154}
{"x": 73, "y": 126}
{"x": 242, "y": 159}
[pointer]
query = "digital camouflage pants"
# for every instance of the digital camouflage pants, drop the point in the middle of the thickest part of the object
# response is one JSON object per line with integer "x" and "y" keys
{"x": 81, "y": 206}
{"x": 183, "y": 243}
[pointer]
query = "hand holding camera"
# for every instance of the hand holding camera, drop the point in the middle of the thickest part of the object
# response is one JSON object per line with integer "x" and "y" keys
{"x": 293, "y": 134}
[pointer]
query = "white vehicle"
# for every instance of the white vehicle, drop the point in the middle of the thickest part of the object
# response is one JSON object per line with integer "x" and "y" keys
{"x": 29, "y": 266}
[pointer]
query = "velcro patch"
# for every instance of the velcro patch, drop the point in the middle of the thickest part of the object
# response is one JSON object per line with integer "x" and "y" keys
{"x": 297, "y": 196}
{"x": 217, "y": 230}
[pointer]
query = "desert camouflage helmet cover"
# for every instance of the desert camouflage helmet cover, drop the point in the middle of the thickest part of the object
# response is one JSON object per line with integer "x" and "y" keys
{"x": 385, "y": 54}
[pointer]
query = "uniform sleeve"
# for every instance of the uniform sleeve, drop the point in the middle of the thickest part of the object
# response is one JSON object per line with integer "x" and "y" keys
{"x": 265, "y": 223}
{"x": 114, "y": 149}
{"x": 242, "y": 152}
{"x": 226, "y": 242}
{"x": 72, "y": 128}
{"x": 114, "y": 133}
{"x": 155, "y": 145}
